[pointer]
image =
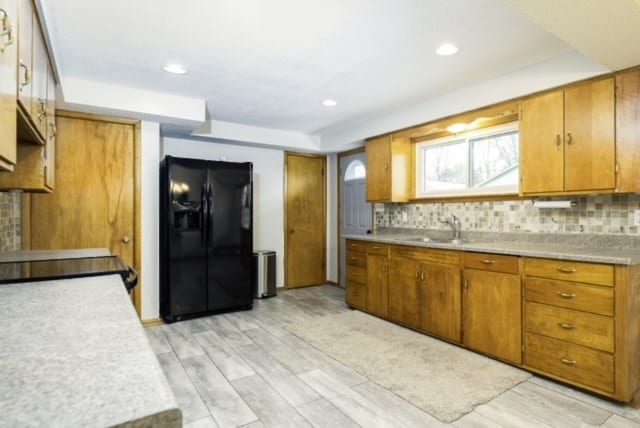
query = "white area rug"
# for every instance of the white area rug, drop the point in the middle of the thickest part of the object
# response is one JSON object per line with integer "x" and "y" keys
{"x": 442, "y": 379}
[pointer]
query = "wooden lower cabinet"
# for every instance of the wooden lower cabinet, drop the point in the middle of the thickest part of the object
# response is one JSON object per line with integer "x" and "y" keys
{"x": 576, "y": 322}
{"x": 377, "y": 284}
{"x": 492, "y": 315}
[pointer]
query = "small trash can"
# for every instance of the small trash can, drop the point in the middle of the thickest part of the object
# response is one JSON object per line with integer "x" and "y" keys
{"x": 264, "y": 273}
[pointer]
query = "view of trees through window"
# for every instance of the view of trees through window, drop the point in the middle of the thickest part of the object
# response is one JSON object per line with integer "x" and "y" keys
{"x": 488, "y": 160}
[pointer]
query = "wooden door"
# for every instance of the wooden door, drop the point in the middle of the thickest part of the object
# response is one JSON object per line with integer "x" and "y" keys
{"x": 93, "y": 205}
{"x": 404, "y": 291}
{"x": 8, "y": 86}
{"x": 305, "y": 227}
{"x": 492, "y": 314}
{"x": 379, "y": 169}
{"x": 441, "y": 300}
{"x": 590, "y": 136}
{"x": 541, "y": 144}
{"x": 377, "y": 284}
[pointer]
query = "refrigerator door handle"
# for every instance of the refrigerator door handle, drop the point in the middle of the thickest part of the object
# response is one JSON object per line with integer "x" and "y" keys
{"x": 203, "y": 215}
{"x": 210, "y": 214}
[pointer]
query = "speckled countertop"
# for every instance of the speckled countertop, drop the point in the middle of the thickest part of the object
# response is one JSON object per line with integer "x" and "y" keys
{"x": 597, "y": 249}
{"x": 73, "y": 353}
{"x": 24, "y": 256}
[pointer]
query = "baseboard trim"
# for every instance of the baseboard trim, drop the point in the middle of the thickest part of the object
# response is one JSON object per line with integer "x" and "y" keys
{"x": 151, "y": 322}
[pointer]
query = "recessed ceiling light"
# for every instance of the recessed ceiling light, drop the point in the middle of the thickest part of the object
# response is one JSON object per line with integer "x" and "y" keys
{"x": 456, "y": 128}
{"x": 175, "y": 68}
{"x": 446, "y": 49}
{"x": 329, "y": 103}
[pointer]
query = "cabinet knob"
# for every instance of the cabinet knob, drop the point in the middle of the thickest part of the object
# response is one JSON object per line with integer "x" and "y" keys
{"x": 558, "y": 141}
{"x": 569, "y": 138}
{"x": 291, "y": 230}
{"x": 125, "y": 239}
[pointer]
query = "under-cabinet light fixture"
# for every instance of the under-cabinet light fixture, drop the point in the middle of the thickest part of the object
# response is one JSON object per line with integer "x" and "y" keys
{"x": 554, "y": 204}
{"x": 329, "y": 103}
{"x": 446, "y": 49}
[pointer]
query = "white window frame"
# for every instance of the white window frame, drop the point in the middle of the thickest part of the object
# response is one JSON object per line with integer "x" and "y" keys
{"x": 467, "y": 191}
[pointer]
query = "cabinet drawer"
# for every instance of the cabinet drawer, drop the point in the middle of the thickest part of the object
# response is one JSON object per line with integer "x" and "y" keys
{"x": 591, "y": 273}
{"x": 594, "y": 331}
{"x": 426, "y": 255}
{"x": 356, "y": 294}
{"x": 376, "y": 248}
{"x": 588, "y": 298}
{"x": 356, "y": 245}
{"x": 355, "y": 258}
{"x": 574, "y": 363}
{"x": 357, "y": 274}
{"x": 491, "y": 262}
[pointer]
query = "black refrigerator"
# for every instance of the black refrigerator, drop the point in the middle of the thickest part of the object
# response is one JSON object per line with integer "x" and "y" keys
{"x": 206, "y": 237}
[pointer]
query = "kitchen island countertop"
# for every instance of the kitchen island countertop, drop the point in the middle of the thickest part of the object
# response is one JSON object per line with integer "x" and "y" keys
{"x": 619, "y": 256}
{"x": 73, "y": 353}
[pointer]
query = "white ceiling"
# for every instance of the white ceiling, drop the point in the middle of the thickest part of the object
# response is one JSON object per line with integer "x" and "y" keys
{"x": 270, "y": 63}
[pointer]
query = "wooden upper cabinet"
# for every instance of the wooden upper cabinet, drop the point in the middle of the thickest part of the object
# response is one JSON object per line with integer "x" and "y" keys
{"x": 628, "y": 130}
{"x": 388, "y": 169}
{"x": 8, "y": 83}
{"x": 567, "y": 139}
{"x": 25, "y": 55}
{"x": 541, "y": 146}
{"x": 589, "y": 126}
{"x": 39, "y": 83}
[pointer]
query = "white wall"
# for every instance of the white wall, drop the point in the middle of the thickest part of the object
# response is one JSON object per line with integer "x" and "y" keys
{"x": 268, "y": 180}
{"x": 332, "y": 218}
{"x": 149, "y": 203}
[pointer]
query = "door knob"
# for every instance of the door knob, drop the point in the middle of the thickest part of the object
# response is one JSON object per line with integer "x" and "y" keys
{"x": 125, "y": 239}
{"x": 291, "y": 230}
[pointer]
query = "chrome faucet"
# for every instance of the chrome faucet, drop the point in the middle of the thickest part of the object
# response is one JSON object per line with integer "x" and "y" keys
{"x": 454, "y": 223}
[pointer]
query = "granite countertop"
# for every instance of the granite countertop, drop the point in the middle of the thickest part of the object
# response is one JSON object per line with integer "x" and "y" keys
{"x": 73, "y": 353}
{"x": 551, "y": 249}
{"x": 35, "y": 255}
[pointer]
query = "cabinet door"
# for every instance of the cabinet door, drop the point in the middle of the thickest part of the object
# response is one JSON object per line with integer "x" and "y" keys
{"x": 404, "y": 291}
{"x": 493, "y": 314}
{"x": 441, "y": 300}
{"x": 377, "y": 284}
{"x": 541, "y": 144}
{"x": 39, "y": 85}
{"x": 628, "y": 131}
{"x": 378, "y": 153}
{"x": 590, "y": 136}
{"x": 50, "y": 147}
{"x": 8, "y": 83}
{"x": 25, "y": 52}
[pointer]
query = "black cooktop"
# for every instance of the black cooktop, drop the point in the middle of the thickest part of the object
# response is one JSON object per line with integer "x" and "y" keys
{"x": 43, "y": 270}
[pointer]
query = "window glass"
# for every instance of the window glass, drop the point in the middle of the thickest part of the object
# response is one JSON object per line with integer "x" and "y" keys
{"x": 477, "y": 162}
{"x": 355, "y": 170}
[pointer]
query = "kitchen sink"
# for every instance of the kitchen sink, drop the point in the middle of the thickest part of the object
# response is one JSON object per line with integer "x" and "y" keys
{"x": 434, "y": 240}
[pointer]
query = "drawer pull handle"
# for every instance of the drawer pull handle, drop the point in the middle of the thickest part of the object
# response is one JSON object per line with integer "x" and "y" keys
{"x": 487, "y": 261}
{"x": 354, "y": 258}
{"x": 568, "y": 362}
{"x": 566, "y": 295}
{"x": 567, "y": 326}
{"x": 566, "y": 270}
{"x": 375, "y": 247}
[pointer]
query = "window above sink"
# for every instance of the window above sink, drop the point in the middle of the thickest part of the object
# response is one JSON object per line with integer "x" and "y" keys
{"x": 480, "y": 162}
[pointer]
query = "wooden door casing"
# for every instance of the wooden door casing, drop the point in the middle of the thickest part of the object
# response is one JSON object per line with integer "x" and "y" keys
{"x": 542, "y": 143}
{"x": 305, "y": 220}
{"x": 589, "y": 111}
{"x": 94, "y": 205}
{"x": 492, "y": 314}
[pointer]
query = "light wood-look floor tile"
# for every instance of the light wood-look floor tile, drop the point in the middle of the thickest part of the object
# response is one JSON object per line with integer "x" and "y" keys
{"x": 192, "y": 406}
{"x": 245, "y": 369}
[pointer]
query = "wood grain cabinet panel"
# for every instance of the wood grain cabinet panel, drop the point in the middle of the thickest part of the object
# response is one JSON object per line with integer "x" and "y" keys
{"x": 492, "y": 314}
{"x": 405, "y": 292}
{"x": 570, "y": 295}
{"x": 388, "y": 169}
{"x": 591, "y": 273}
{"x": 356, "y": 295}
{"x": 441, "y": 304}
{"x": 567, "y": 139}
{"x": 491, "y": 262}
{"x": 378, "y": 284}
{"x": 628, "y": 131}
{"x": 578, "y": 364}
{"x": 8, "y": 83}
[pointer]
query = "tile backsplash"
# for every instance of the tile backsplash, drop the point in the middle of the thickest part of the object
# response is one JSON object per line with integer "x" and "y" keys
{"x": 597, "y": 214}
{"x": 10, "y": 227}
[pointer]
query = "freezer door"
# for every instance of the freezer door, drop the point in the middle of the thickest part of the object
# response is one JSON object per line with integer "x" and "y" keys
{"x": 230, "y": 235}
{"x": 185, "y": 235}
